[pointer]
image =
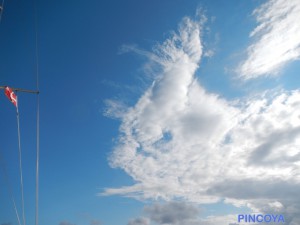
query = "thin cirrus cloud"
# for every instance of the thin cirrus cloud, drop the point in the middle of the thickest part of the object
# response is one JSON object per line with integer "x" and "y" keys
{"x": 181, "y": 142}
{"x": 276, "y": 39}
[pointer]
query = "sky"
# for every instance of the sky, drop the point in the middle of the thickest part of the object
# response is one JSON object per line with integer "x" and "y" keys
{"x": 152, "y": 112}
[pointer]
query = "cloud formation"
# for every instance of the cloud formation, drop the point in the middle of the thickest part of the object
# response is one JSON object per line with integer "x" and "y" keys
{"x": 179, "y": 213}
{"x": 181, "y": 142}
{"x": 95, "y": 222}
{"x": 277, "y": 39}
{"x": 65, "y": 223}
{"x": 139, "y": 221}
{"x": 172, "y": 213}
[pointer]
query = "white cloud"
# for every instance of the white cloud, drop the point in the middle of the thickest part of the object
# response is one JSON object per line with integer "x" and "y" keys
{"x": 209, "y": 53}
{"x": 181, "y": 142}
{"x": 114, "y": 109}
{"x": 277, "y": 39}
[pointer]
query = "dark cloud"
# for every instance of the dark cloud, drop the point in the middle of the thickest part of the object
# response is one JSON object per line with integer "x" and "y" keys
{"x": 288, "y": 208}
{"x": 172, "y": 213}
{"x": 89, "y": 218}
{"x": 275, "y": 196}
{"x": 178, "y": 213}
{"x": 272, "y": 189}
{"x": 139, "y": 221}
{"x": 95, "y": 222}
{"x": 66, "y": 223}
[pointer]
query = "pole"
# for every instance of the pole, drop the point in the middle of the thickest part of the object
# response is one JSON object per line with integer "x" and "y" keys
{"x": 21, "y": 90}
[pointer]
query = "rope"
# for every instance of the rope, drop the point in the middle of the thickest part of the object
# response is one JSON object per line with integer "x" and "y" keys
{"x": 9, "y": 187}
{"x": 20, "y": 160}
{"x": 37, "y": 119}
{"x": 1, "y": 10}
{"x": 37, "y": 160}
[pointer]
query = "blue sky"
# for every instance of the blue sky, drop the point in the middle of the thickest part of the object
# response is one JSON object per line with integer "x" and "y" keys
{"x": 153, "y": 112}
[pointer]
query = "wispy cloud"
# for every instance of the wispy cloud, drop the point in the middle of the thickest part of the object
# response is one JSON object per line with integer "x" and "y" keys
{"x": 276, "y": 39}
{"x": 181, "y": 142}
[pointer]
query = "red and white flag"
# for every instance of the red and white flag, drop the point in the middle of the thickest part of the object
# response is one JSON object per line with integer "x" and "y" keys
{"x": 11, "y": 95}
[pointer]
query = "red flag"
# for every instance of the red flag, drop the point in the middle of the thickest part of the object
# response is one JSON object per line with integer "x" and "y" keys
{"x": 11, "y": 95}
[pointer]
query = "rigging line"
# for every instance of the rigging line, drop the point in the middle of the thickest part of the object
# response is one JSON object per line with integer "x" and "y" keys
{"x": 20, "y": 161}
{"x": 37, "y": 118}
{"x": 1, "y": 10}
{"x": 9, "y": 187}
{"x": 37, "y": 159}
{"x": 36, "y": 46}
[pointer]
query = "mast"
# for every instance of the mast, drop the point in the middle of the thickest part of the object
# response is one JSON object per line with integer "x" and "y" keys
{"x": 37, "y": 125}
{"x": 37, "y": 119}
